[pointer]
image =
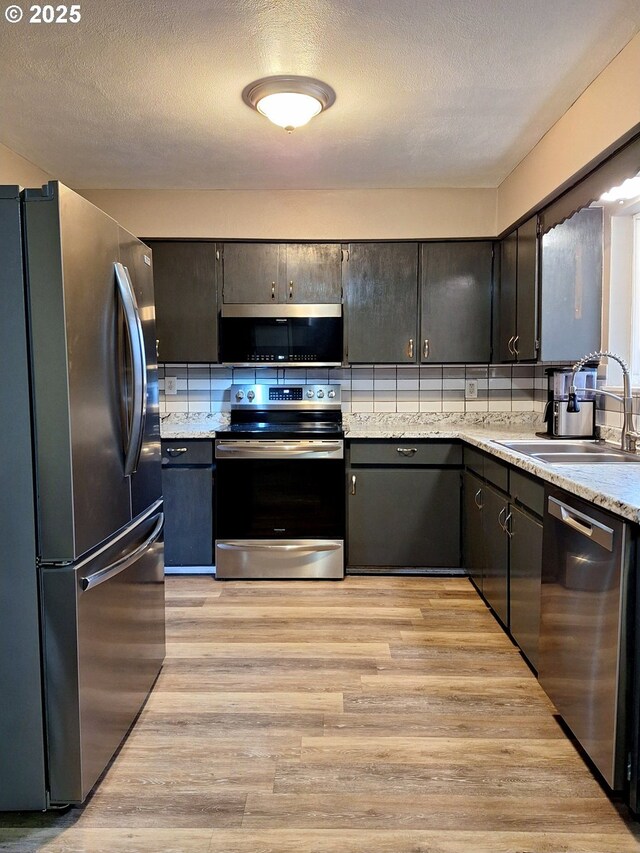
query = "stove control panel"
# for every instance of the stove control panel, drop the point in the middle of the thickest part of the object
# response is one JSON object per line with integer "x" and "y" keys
{"x": 285, "y": 396}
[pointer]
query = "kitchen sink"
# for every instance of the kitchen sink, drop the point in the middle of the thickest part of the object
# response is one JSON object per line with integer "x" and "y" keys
{"x": 602, "y": 457}
{"x": 571, "y": 452}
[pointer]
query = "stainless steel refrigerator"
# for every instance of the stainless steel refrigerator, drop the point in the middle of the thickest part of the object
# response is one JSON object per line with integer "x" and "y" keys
{"x": 81, "y": 522}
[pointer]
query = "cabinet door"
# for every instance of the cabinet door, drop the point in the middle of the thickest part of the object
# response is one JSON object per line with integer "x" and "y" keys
{"x": 525, "y": 581}
{"x": 188, "y": 508}
{"x": 252, "y": 272}
{"x": 381, "y": 303}
{"x": 184, "y": 279}
{"x": 495, "y": 586}
{"x": 473, "y": 535}
{"x": 506, "y": 309}
{"x": 314, "y": 273}
{"x": 527, "y": 299}
{"x": 404, "y": 517}
{"x": 571, "y": 287}
{"x": 456, "y": 302}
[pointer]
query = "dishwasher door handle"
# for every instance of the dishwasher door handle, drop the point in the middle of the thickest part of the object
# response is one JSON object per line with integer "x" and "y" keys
{"x": 581, "y": 523}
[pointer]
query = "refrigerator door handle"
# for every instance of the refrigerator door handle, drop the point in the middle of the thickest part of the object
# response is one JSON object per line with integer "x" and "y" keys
{"x": 139, "y": 368}
{"x": 110, "y": 571}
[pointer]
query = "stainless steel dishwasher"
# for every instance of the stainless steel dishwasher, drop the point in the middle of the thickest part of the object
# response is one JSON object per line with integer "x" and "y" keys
{"x": 583, "y": 626}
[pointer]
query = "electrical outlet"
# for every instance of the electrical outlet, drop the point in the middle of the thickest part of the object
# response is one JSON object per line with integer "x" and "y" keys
{"x": 471, "y": 389}
{"x": 171, "y": 385}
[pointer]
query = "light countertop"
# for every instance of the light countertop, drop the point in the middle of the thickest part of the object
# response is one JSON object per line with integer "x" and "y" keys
{"x": 615, "y": 487}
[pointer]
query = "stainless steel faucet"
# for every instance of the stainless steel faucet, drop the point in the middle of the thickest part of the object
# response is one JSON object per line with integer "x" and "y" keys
{"x": 630, "y": 436}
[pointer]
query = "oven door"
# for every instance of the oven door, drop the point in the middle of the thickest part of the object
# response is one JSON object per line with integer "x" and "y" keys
{"x": 281, "y": 509}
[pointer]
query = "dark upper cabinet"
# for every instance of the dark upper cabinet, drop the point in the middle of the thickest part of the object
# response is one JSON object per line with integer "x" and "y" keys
{"x": 381, "y": 303}
{"x": 252, "y": 272}
{"x": 516, "y": 308}
{"x": 313, "y": 273}
{"x": 185, "y": 285}
{"x": 506, "y": 299}
{"x": 282, "y": 272}
{"x": 456, "y": 286}
{"x": 571, "y": 287}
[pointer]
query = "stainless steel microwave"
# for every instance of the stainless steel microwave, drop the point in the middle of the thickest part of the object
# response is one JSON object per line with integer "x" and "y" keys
{"x": 281, "y": 335}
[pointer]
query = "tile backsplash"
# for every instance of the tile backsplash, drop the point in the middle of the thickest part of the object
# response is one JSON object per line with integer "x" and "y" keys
{"x": 369, "y": 388}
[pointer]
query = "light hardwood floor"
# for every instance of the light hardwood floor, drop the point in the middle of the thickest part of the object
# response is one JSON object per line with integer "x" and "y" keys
{"x": 376, "y": 715}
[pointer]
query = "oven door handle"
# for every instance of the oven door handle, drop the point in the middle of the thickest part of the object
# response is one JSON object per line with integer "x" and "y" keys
{"x": 253, "y": 546}
{"x": 284, "y": 449}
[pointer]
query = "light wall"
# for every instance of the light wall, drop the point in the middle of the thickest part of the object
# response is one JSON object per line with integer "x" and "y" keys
{"x": 302, "y": 214}
{"x": 14, "y": 169}
{"x": 607, "y": 111}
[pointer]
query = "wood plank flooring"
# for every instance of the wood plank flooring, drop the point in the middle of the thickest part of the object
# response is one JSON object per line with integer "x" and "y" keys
{"x": 376, "y": 715}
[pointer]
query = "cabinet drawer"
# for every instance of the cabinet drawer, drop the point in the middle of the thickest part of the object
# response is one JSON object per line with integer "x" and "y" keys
{"x": 497, "y": 473}
{"x": 405, "y": 452}
{"x": 181, "y": 452}
{"x": 474, "y": 460}
{"x": 527, "y": 491}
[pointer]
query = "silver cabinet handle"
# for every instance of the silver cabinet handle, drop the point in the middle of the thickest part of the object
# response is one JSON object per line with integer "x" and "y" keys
{"x": 506, "y": 527}
{"x": 425, "y": 348}
{"x": 410, "y": 348}
{"x": 407, "y": 451}
{"x": 353, "y": 484}
{"x": 478, "y": 499}
{"x": 273, "y": 290}
{"x": 290, "y": 290}
{"x": 509, "y": 343}
{"x": 500, "y": 519}
{"x": 176, "y": 451}
{"x": 515, "y": 345}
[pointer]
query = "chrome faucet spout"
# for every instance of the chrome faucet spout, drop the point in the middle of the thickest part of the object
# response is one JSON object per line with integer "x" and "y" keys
{"x": 629, "y": 436}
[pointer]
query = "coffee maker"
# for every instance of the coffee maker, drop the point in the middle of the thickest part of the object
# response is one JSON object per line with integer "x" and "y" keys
{"x": 562, "y": 423}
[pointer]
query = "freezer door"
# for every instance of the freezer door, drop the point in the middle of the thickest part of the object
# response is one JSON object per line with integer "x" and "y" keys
{"x": 83, "y": 493}
{"x": 103, "y": 648}
{"x": 146, "y": 482}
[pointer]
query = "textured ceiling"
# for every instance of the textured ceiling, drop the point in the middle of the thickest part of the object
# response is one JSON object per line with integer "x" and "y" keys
{"x": 147, "y": 94}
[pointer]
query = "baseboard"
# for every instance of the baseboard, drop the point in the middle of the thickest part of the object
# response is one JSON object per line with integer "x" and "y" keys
{"x": 406, "y": 570}
{"x": 189, "y": 570}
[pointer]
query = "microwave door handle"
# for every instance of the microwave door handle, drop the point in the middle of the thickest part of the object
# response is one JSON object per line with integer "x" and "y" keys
{"x": 138, "y": 365}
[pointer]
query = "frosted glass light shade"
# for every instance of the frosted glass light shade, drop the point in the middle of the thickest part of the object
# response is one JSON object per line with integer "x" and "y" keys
{"x": 289, "y": 109}
{"x": 289, "y": 101}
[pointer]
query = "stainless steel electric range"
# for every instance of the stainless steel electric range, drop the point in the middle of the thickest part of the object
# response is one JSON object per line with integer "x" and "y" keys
{"x": 280, "y": 484}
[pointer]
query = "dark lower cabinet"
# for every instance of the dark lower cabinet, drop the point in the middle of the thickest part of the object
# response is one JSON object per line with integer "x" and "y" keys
{"x": 188, "y": 488}
{"x": 525, "y": 580}
{"x": 473, "y": 536}
{"x": 495, "y": 586}
{"x": 403, "y": 515}
{"x": 502, "y": 542}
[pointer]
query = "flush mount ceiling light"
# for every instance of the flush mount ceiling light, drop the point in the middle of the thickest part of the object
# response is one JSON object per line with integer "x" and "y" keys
{"x": 289, "y": 101}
